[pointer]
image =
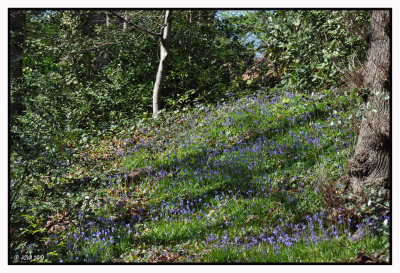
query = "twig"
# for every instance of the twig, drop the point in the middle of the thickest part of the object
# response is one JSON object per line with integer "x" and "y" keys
{"x": 135, "y": 26}
{"x": 83, "y": 217}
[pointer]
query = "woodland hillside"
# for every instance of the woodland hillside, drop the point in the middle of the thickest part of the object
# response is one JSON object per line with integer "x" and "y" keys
{"x": 199, "y": 136}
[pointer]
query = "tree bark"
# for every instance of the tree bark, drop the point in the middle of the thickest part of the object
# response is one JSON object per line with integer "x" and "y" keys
{"x": 124, "y": 25}
{"x": 370, "y": 166}
{"x": 88, "y": 32}
{"x": 107, "y": 20}
{"x": 166, "y": 33}
{"x": 17, "y": 19}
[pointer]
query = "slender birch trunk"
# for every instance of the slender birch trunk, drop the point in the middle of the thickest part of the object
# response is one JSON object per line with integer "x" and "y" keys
{"x": 124, "y": 24}
{"x": 166, "y": 33}
{"x": 107, "y": 20}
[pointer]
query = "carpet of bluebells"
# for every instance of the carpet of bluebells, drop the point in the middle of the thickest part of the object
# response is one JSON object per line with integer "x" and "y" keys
{"x": 237, "y": 182}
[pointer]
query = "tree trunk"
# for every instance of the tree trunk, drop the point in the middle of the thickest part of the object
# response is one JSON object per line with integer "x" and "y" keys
{"x": 187, "y": 48}
{"x": 107, "y": 20}
{"x": 124, "y": 24}
{"x": 370, "y": 166}
{"x": 166, "y": 33}
{"x": 88, "y": 32}
{"x": 17, "y": 20}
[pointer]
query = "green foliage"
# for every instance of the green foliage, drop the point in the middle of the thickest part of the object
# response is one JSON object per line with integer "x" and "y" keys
{"x": 200, "y": 47}
{"x": 78, "y": 68}
{"x": 305, "y": 47}
{"x": 231, "y": 166}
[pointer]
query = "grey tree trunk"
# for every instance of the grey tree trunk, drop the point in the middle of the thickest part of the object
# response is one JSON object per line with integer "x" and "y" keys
{"x": 107, "y": 20}
{"x": 124, "y": 24}
{"x": 370, "y": 166}
{"x": 158, "y": 85}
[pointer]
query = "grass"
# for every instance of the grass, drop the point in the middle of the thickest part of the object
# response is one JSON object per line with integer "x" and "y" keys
{"x": 236, "y": 182}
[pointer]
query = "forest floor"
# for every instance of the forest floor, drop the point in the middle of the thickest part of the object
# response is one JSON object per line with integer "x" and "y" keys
{"x": 244, "y": 181}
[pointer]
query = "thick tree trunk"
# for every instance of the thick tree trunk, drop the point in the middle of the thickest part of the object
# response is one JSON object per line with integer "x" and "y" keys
{"x": 166, "y": 33}
{"x": 17, "y": 26}
{"x": 370, "y": 166}
{"x": 17, "y": 23}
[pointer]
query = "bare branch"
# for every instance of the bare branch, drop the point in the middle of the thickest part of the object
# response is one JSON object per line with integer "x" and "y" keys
{"x": 133, "y": 25}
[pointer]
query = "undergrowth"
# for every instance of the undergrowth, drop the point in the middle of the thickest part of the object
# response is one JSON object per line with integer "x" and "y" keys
{"x": 243, "y": 181}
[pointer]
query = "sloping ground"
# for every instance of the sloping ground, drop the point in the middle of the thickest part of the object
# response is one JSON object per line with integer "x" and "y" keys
{"x": 237, "y": 182}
